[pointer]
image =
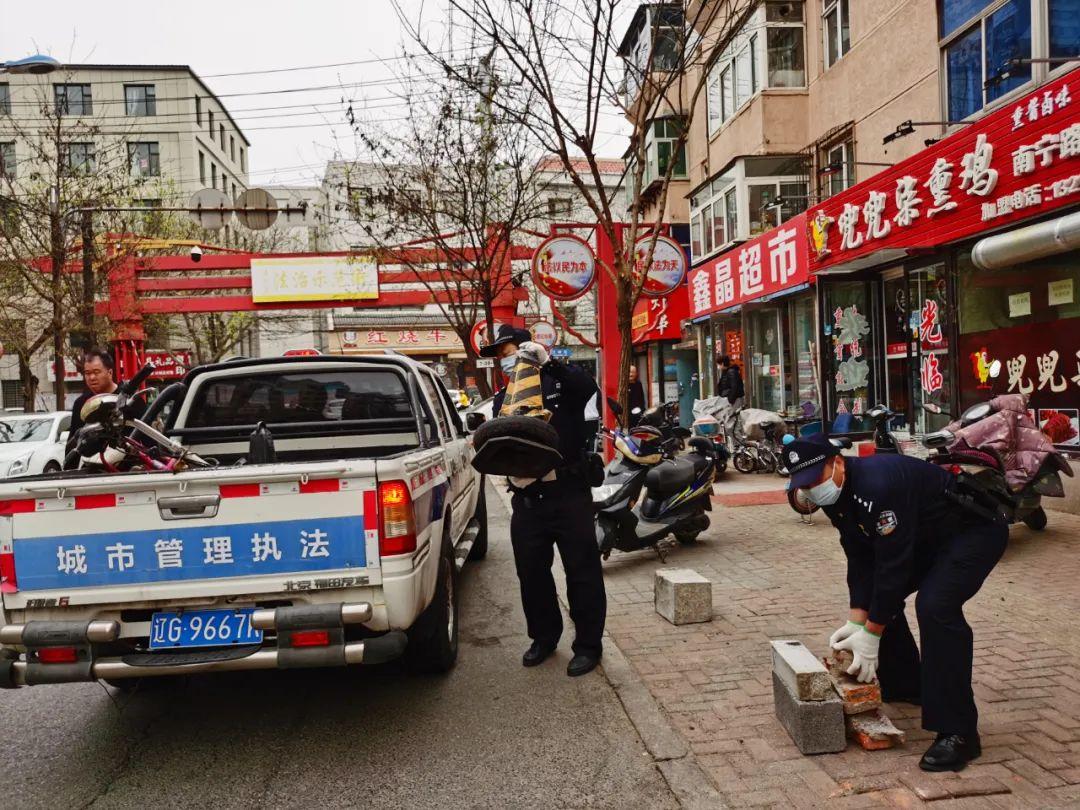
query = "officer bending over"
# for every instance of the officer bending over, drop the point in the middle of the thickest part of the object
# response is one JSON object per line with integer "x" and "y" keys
{"x": 557, "y": 512}
{"x": 903, "y": 531}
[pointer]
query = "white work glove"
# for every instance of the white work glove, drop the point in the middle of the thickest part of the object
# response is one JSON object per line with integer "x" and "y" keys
{"x": 864, "y": 645}
{"x": 533, "y": 353}
{"x": 848, "y": 630}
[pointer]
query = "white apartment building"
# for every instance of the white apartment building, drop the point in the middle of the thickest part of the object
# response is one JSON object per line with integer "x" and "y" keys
{"x": 176, "y": 133}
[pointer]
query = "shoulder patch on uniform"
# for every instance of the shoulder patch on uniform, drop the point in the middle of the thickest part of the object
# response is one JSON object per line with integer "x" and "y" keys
{"x": 887, "y": 523}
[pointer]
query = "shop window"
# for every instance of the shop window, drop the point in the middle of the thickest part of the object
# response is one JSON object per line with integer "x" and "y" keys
{"x": 766, "y": 375}
{"x": 806, "y": 397}
{"x": 836, "y": 26}
{"x": 1019, "y": 334}
{"x": 930, "y": 327}
{"x": 848, "y": 349}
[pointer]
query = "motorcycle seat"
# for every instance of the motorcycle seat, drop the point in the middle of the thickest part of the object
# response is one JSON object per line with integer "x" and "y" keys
{"x": 669, "y": 477}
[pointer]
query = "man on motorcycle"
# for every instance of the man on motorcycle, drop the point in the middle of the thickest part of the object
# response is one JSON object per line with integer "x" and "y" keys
{"x": 903, "y": 531}
{"x": 98, "y": 368}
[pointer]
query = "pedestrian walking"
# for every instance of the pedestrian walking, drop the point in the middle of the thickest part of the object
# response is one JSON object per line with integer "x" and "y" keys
{"x": 904, "y": 531}
{"x": 557, "y": 511}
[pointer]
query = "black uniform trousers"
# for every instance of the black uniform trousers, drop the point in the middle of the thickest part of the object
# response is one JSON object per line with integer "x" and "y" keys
{"x": 965, "y": 556}
{"x": 559, "y": 513}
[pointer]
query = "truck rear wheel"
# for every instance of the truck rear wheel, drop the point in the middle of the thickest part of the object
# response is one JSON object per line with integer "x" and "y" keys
{"x": 433, "y": 639}
{"x": 480, "y": 544}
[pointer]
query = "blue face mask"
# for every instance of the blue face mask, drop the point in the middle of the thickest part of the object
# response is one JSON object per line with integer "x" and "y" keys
{"x": 507, "y": 364}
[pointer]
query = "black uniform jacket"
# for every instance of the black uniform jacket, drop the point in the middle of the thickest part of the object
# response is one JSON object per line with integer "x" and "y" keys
{"x": 566, "y": 390}
{"x": 891, "y": 515}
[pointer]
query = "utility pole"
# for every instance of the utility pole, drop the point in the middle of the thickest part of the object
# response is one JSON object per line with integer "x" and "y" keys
{"x": 487, "y": 85}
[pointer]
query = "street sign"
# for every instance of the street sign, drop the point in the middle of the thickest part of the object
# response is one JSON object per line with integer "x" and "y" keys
{"x": 478, "y": 335}
{"x": 545, "y": 334}
{"x": 206, "y": 208}
{"x": 667, "y": 269}
{"x": 564, "y": 267}
{"x": 260, "y": 199}
{"x": 485, "y": 362}
{"x": 560, "y": 352}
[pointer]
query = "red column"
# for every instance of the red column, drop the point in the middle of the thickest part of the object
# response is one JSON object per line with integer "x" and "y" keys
{"x": 607, "y": 326}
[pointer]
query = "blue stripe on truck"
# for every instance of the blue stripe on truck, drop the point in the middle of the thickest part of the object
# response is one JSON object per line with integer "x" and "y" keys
{"x": 172, "y": 554}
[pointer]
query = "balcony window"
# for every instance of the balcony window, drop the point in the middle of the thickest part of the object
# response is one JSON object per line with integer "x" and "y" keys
{"x": 1064, "y": 19}
{"x": 836, "y": 167}
{"x": 836, "y": 25}
{"x": 140, "y": 99}
{"x": 78, "y": 157}
{"x": 198, "y": 110}
{"x": 775, "y": 202}
{"x": 660, "y": 143}
{"x": 745, "y": 68}
{"x": 73, "y": 99}
{"x": 986, "y": 45}
{"x": 144, "y": 159}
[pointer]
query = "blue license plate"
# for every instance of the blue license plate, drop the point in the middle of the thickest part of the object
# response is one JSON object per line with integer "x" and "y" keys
{"x": 203, "y": 628}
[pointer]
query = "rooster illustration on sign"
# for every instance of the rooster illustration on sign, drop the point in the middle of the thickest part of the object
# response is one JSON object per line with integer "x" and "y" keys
{"x": 985, "y": 369}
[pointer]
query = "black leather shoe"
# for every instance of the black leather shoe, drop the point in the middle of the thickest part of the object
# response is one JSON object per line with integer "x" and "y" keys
{"x": 580, "y": 664}
{"x": 951, "y": 752}
{"x": 537, "y": 654}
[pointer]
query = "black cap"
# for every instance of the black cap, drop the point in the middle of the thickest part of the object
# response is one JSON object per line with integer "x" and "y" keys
{"x": 506, "y": 334}
{"x": 805, "y": 459}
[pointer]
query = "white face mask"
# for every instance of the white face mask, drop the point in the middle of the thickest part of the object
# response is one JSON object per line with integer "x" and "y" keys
{"x": 826, "y": 493}
{"x": 507, "y": 364}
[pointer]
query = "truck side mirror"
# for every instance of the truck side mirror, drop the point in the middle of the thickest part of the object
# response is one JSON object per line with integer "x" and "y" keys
{"x": 474, "y": 420}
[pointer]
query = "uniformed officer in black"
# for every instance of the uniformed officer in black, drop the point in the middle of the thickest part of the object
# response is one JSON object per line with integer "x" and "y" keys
{"x": 557, "y": 513}
{"x": 903, "y": 530}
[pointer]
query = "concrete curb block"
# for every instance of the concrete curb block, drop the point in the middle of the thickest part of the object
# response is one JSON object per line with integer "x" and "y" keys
{"x": 688, "y": 782}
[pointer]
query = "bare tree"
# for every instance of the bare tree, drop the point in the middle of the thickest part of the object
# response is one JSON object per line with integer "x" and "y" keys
{"x": 455, "y": 179}
{"x": 62, "y": 161}
{"x": 561, "y": 67}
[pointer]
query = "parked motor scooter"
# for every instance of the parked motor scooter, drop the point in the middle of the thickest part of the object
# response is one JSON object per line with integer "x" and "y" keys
{"x": 648, "y": 494}
{"x": 981, "y": 470}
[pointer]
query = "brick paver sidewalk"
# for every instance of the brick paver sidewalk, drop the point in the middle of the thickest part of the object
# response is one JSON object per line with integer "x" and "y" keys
{"x": 776, "y": 578}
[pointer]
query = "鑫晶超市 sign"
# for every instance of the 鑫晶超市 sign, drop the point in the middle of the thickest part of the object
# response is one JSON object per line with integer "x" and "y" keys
{"x": 765, "y": 265}
{"x": 667, "y": 269}
{"x": 564, "y": 267}
{"x": 1017, "y": 162}
{"x": 314, "y": 278}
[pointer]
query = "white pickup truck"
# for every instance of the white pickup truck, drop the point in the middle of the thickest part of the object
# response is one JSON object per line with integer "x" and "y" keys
{"x": 342, "y": 549}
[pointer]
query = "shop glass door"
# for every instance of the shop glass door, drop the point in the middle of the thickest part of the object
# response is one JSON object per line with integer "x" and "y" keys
{"x": 803, "y": 352}
{"x": 766, "y": 373}
{"x": 849, "y": 350}
{"x": 898, "y": 348}
{"x": 932, "y": 382}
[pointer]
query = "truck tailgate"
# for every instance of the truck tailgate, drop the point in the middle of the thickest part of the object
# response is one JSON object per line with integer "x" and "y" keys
{"x": 146, "y": 537}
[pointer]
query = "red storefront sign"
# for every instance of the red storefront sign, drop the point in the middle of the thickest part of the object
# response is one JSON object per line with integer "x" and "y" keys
{"x": 659, "y": 318}
{"x": 1017, "y": 162}
{"x": 767, "y": 264}
{"x": 169, "y": 364}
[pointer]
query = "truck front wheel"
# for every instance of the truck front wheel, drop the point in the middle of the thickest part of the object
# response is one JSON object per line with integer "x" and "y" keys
{"x": 433, "y": 639}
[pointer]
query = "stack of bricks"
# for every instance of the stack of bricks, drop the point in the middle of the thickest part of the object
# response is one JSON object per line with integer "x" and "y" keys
{"x": 866, "y": 723}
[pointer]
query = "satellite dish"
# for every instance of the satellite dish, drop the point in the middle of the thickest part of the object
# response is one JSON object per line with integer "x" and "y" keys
{"x": 258, "y": 198}
{"x": 205, "y": 208}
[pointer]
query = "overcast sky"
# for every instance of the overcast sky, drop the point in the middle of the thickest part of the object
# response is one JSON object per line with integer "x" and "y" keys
{"x": 289, "y": 145}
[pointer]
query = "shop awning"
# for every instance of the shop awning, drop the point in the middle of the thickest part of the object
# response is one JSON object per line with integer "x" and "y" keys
{"x": 1027, "y": 244}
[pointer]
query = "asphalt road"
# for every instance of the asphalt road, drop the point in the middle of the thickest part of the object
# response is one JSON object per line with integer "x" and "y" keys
{"x": 491, "y": 734}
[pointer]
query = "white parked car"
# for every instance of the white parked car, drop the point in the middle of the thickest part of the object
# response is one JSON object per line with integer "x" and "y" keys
{"x": 32, "y": 443}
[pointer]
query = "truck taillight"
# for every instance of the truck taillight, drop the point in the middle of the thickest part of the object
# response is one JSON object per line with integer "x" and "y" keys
{"x": 397, "y": 531}
{"x": 8, "y": 583}
{"x": 58, "y": 655}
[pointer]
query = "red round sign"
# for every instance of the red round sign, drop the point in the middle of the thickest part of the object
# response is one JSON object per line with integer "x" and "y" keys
{"x": 564, "y": 267}
{"x": 545, "y": 334}
{"x": 668, "y": 267}
{"x": 478, "y": 335}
